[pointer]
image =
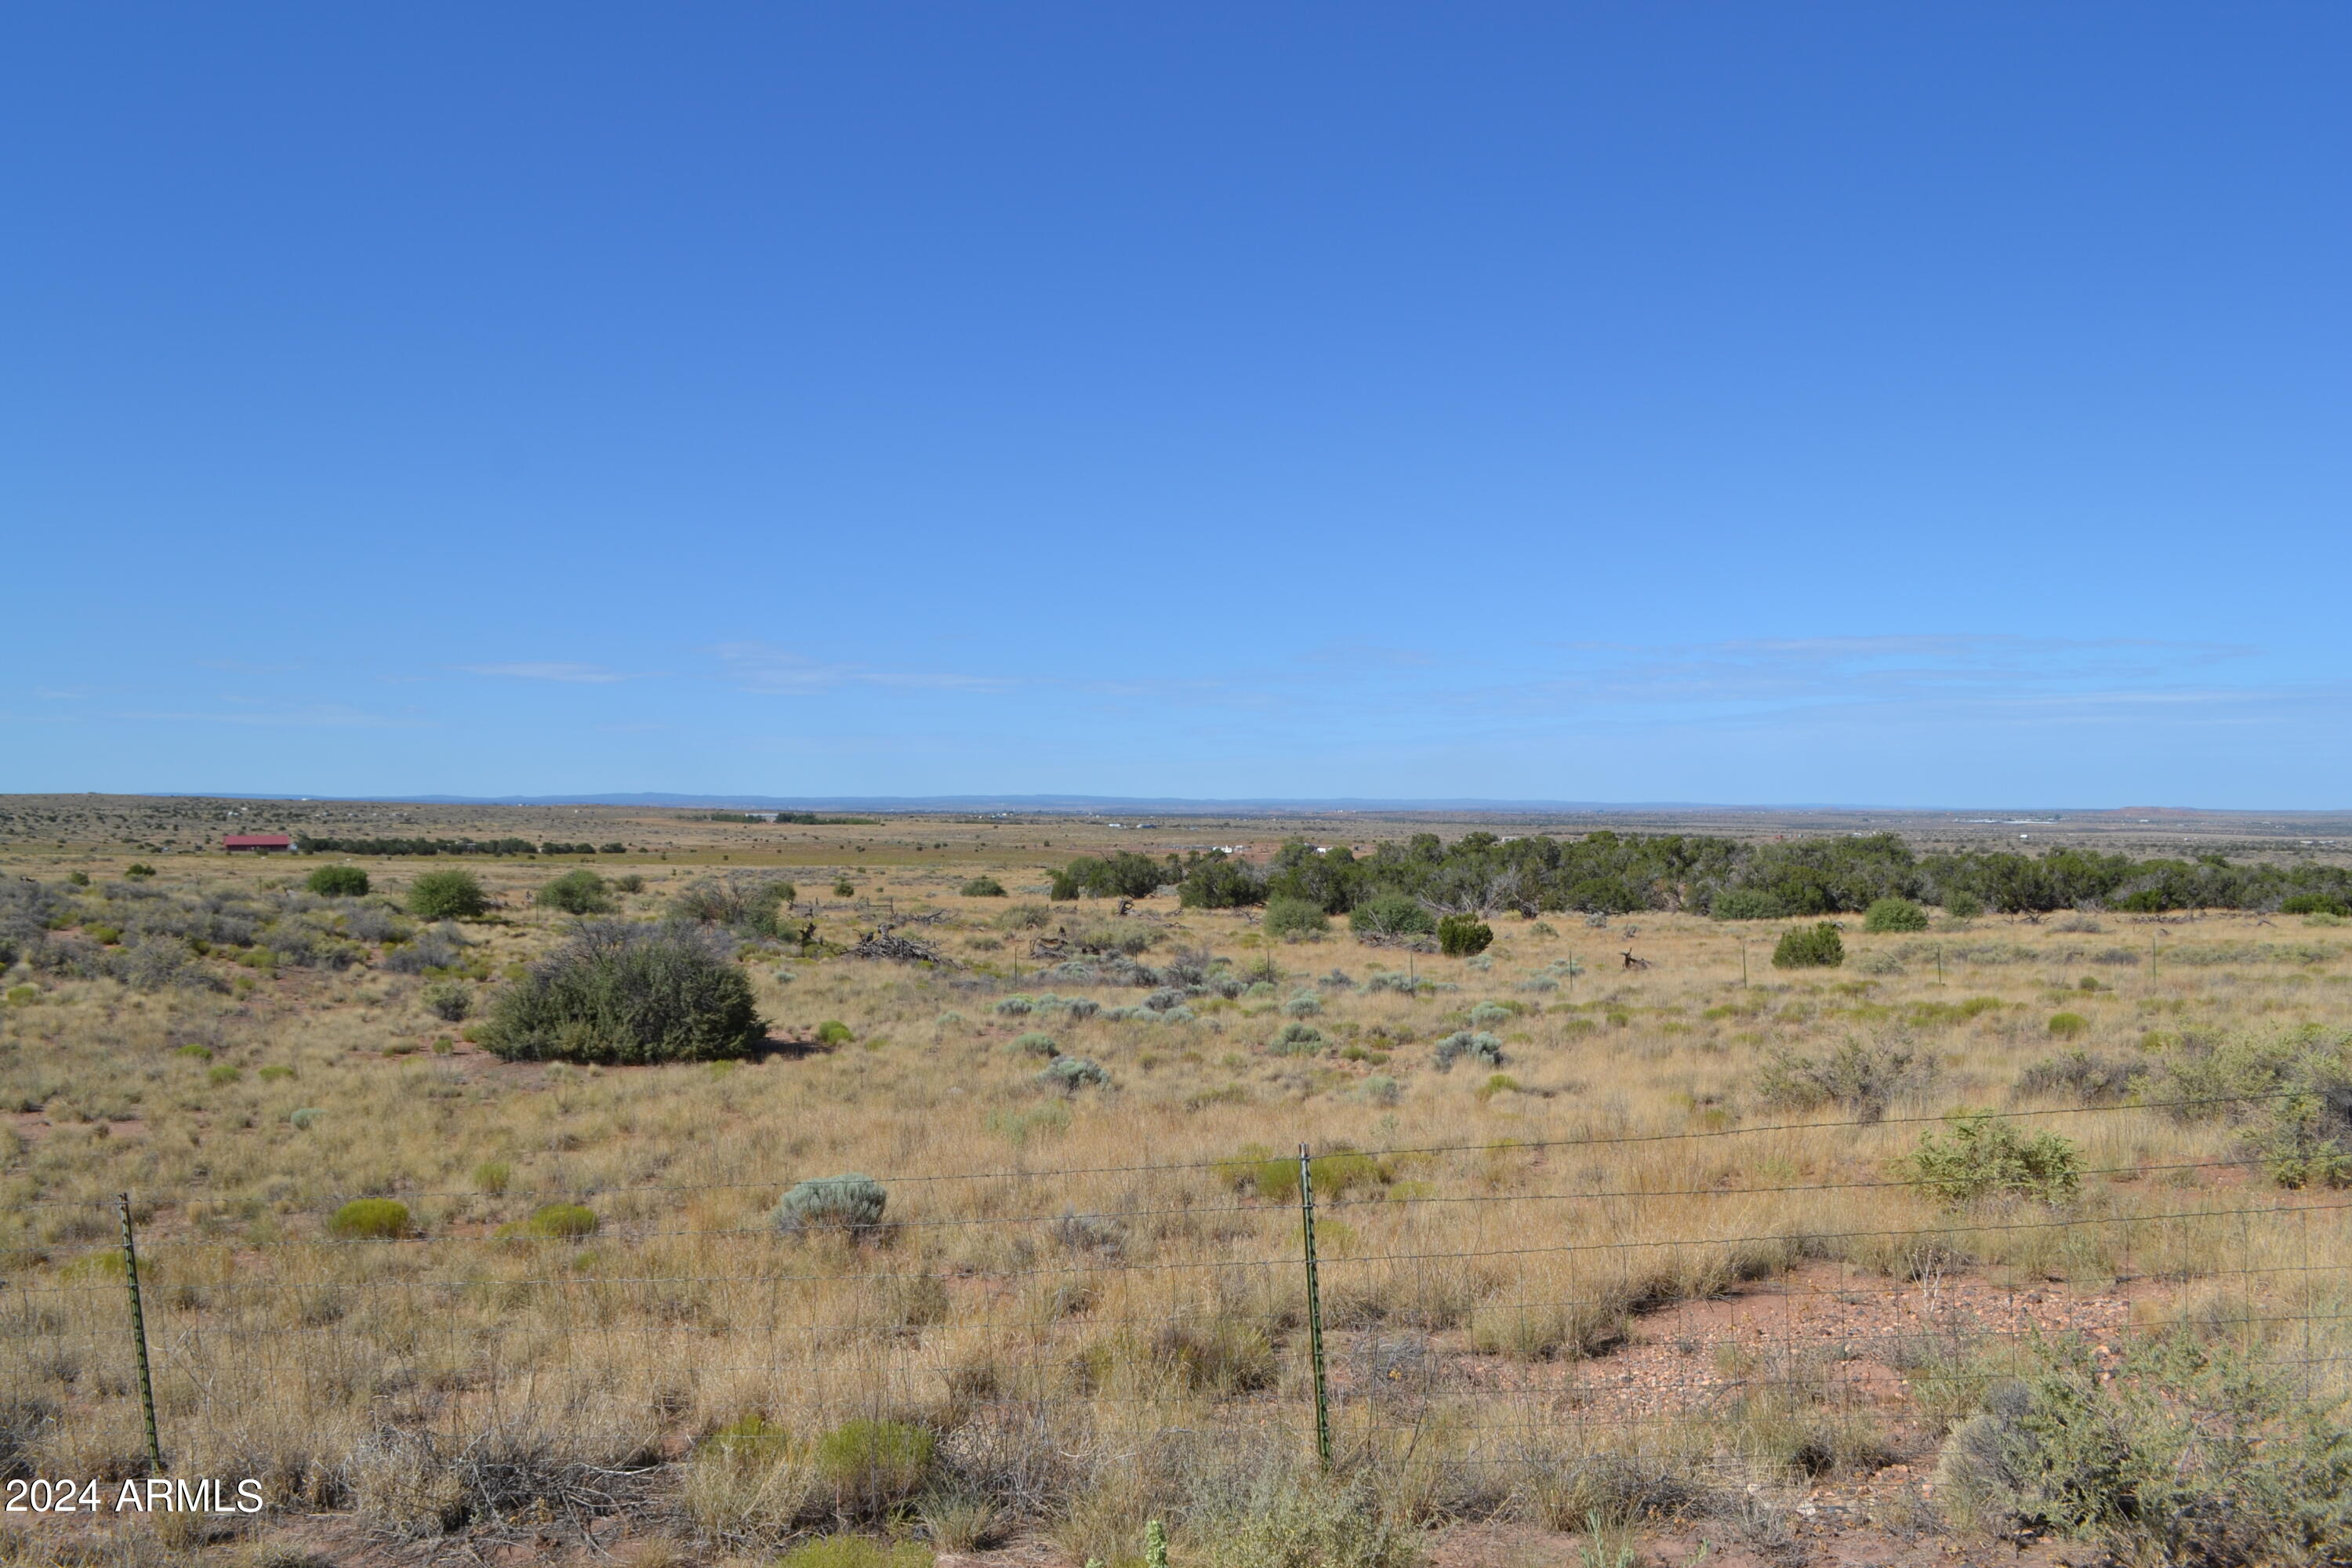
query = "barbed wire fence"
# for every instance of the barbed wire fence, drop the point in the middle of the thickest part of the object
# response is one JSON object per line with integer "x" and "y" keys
{"x": 1322, "y": 1306}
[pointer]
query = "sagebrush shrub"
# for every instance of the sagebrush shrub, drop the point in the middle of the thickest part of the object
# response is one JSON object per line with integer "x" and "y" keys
{"x": 1476, "y": 1046}
{"x": 1296, "y": 1039}
{"x": 2192, "y": 1451}
{"x": 337, "y": 882}
{"x": 1865, "y": 1077}
{"x": 1072, "y": 1074}
{"x": 849, "y": 1203}
{"x": 1037, "y": 1045}
{"x": 450, "y": 895}
{"x": 2083, "y": 1078}
{"x": 1809, "y": 947}
{"x": 619, "y": 993}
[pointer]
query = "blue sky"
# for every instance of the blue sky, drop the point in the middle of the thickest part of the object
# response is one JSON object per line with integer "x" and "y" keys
{"x": 1930, "y": 404}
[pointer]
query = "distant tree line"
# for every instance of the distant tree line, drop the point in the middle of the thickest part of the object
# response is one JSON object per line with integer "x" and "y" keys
{"x": 1612, "y": 873}
{"x": 805, "y": 818}
{"x": 449, "y": 846}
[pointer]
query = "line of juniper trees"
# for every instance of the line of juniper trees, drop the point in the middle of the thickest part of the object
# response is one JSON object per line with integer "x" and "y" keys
{"x": 1613, "y": 873}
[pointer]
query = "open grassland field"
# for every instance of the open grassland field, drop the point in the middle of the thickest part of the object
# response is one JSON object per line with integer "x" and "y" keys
{"x": 2004, "y": 1234}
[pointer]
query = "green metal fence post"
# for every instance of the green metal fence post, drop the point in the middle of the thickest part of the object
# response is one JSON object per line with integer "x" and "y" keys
{"x": 1314, "y": 1308}
{"x": 139, "y": 1335}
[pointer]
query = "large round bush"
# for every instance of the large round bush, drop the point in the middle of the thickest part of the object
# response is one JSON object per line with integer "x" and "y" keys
{"x": 578, "y": 891}
{"x": 1809, "y": 947}
{"x": 1392, "y": 914}
{"x": 628, "y": 994}
{"x": 337, "y": 882}
{"x": 451, "y": 895}
{"x": 1894, "y": 915}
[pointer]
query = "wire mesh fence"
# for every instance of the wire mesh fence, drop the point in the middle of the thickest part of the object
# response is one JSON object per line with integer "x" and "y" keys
{"x": 1472, "y": 1316}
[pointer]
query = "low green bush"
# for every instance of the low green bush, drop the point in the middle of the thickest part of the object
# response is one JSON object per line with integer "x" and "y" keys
{"x": 448, "y": 1000}
{"x": 369, "y": 1219}
{"x": 1963, "y": 906}
{"x": 1862, "y": 1076}
{"x": 2316, "y": 904}
{"x": 1474, "y": 1047}
{"x": 1072, "y": 1074}
{"x": 1296, "y": 1039}
{"x": 567, "y": 1222}
{"x": 983, "y": 888}
{"x": 337, "y": 882}
{"x": 1037, "y": 1045}
{"x": 849, "y": 1203}
{"x": 1809, "y": 947}
{"x": 833, "y": 1032}
{"x": 1464, "y": 936}
{"x": 1894, "y": 915}
{"x": 1985, "y": 1156}
{"x": 2189, "y": 1450}
{"x": 492, "y": 1176}
{"x": 617, "y": 994}
{"x": 450, "y": 895}
{"x": 874, "y": 1465}
{"x": 1294, "y": 918}
{"x": 1392, "y": 915}
{"x": 855, "y": 1552}
{"x": 2066, "y": 1026}
{"x": 579, "y": 892}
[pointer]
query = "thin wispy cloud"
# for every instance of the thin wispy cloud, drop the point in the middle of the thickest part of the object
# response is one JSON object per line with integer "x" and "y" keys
{"x": 555, "y": 670}
{"x": 763, "y": 666}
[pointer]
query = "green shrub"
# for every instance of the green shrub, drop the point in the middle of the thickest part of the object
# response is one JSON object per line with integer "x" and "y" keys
{"x": 492, "y": 1176}
{"x": 1984, "y": 1156}
{"x": 619, "y": 993}
{"x": 305, "y": 1118}
{"x": 337, "y": 882}
{"x": 843, "y": 887}
{"x": 1962, "y": 905}
{"x": 1305, "y": 1005}
{"x": 1865, "y": 1077}
{"x": 2083, "y": 1078}
{"x": 1072, "y": 1074}
{"x": 1037, "y": 1045}
{"x": 1293, "y": 918}
{"x": 1296, "y": 1039}
{"x": 223, "y": 1076}
{"x": 579, "y": 892}
{"x": 855, "y": 1552}
{"x": 983, "y": 888}
{"x": 1745, "y": 904}
{"x": 833, "y": 1032}
{"x": 448, "y": 1000}
{"x": 369, "y": 1219}
{"x": 2316, "y": 904}
{"x": 138, "y": 870}
{"x": 849, "y": 1203}
{"x": 874, "y": 1465}
{"x": 568, "y": 1221}
{"x": 629, "y": 882}
{"x": 1477, "y": 1047}
{"x": 2066, "y": 1026}
{"x": 1274, "y": 1177}
{"x": 450, "y": 895}
{"x": 2190, "y": 1451}
{"x": 1464, "y": 936}
{"x": 1124, "y": 875}
{"x": 1809, "y": 947}
{"x": 1392, "y": 915}
{"x": 1894, "y": 915}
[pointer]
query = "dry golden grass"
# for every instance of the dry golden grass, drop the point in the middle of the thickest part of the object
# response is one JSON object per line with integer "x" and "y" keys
{"x": 1084, "y": 1297}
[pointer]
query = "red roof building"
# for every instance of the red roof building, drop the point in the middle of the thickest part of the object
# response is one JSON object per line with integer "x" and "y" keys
{"x": 257, "y": 843}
